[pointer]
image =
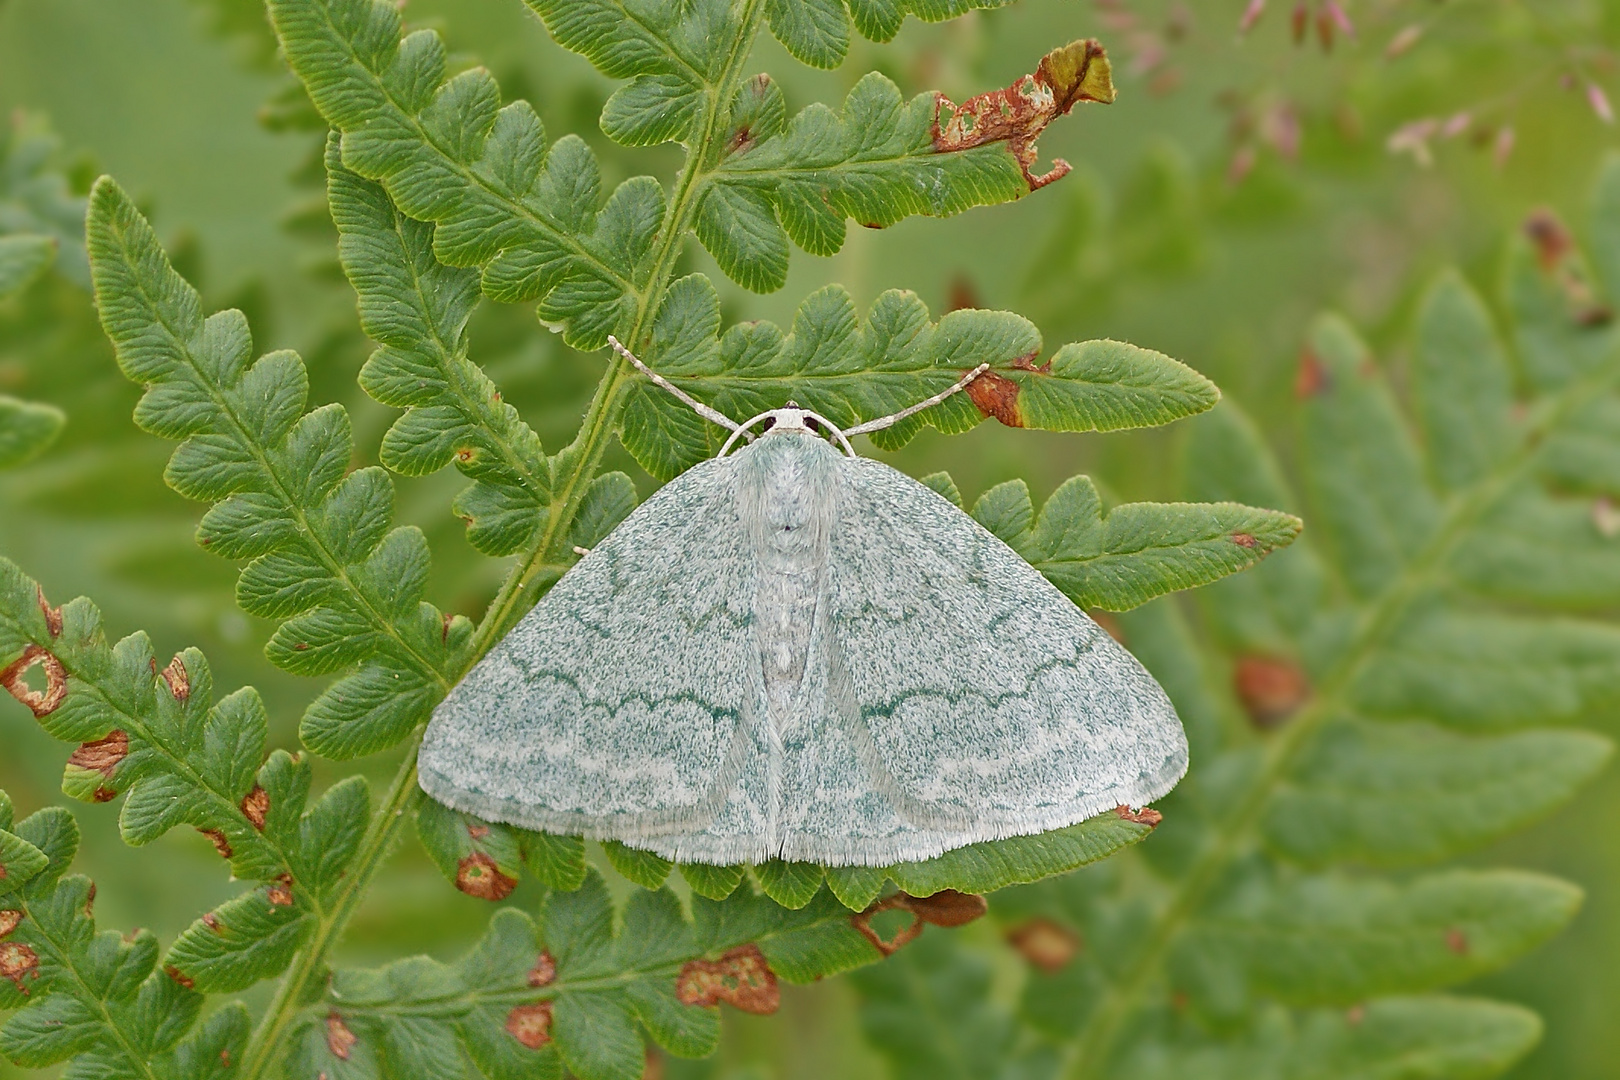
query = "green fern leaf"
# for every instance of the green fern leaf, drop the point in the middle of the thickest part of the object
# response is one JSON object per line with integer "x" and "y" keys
{"x": 325, "y": 558}
{"x": 583, "y": 984}
{"x": 416, "y": 309}
{"x": 26, "y": 430}
{"x": 1137, "y": 551}
{"x": 528, "y": 212}
{"x": 1376, "y": 708}
{"x": 155, "y": 734}
{"x": 22, "y": 259}
{"x": 97, "y": 998}
{"x": 851, "y": 369}
{"x": 37, "y": 208}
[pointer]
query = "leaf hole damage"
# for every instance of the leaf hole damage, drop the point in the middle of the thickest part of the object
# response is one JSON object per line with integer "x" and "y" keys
{"x": 1017, "y": 115}
{"x": 178, "y": 679}
{"x": 221, "y": 844}
{"x": 53, "y": 615}
{"x": 256, "y": 807}
{"x": 100, "y": 758}
{"x": 1047, "y": 945}
{"x": 530, "y": 1024}
{"x": 477, "y": 875}
{"x": 947, "y": 908}
{"x": 339, "y": 1039}
{"x": 741, "y": 978}
{"x": 544, "y": 971}
{"x": 40, "y": 702}
{"x": 1271, "y": 689}
{"x": 17, "y": 962}
{"x": 1143, "y": 816}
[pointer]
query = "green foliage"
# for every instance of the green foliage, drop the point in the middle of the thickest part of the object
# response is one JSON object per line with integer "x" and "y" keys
{"x": 38, "y": 217}
{"x": 1392, "y": 684}
{"x": 1377, "y": 710}
{"x": 94, "y": 997}
{"x": 324, "y": 556}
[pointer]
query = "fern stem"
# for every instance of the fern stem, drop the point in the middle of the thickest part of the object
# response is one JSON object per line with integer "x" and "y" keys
{"x": 309, "y": 965}
{"x": 1090, "y": 1052}
{"x": 581, "y": 460}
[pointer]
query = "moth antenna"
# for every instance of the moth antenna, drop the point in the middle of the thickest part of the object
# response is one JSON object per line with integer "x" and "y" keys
{"x": 696, "y": 406}
{"x": 889, "y": 421}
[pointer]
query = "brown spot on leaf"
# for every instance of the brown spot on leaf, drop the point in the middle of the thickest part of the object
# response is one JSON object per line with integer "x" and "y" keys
{"x": 466, "y": 455}
{"x": 1355, "y": 1014}
{"x": 1271, "y": 688}
{"x": 1018, "y": 114}
{"x": 1048, "y": 945}
{"x": 1179, "y": 1000}
{"x": 9, "y": 921}
{"x": 1313, "y": 376}
{"x": 256, "y": 806}
{"x": 1552, "y": 241}
{"x": 741, "y": 978}
{"x": 544, "y": 970}
{"x": 944, "y": 908}
{"x": 53, "y": 615}
{"x": 530, "y": 1024}
{"x": 280, "y": 893}
{"x": 178, "y": 678}
{"x": 339, "y": 1039}
{"x": 179, "y": 976}
{"x": 217, "y": 838}
{"x": 477, "y": 831}
{"x": 102, "y": 756}
{"x": 477, "y": 875}
{"x": 211, "y": 921}
{"x": 1144, "y": 816}
{"x": 1027, "y": 363}
{"x": 947, "y": 907}
{"x": 16, "y": 961}
{"x": 41, "y": 702}
{"x": 1457, "y": 941}
{"x": 90, "y": 901}
{"x": 1245, "y": 540}
{"x": 996, "y": 396}
{"x": 1555, "y": 251}
{"x": 444, "y": 630}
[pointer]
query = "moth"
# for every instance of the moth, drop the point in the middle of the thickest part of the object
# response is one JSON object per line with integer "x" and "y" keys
{"x": 791, "y": 651}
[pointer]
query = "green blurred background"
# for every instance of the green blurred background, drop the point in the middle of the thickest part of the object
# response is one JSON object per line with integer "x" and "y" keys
{"x": 1240, "y": 184}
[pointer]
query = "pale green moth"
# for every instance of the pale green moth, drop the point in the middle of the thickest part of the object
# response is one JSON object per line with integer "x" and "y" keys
{"x": 794, "y": 652}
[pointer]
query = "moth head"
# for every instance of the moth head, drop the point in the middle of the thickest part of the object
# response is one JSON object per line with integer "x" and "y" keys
{"x": 791, "y": 418}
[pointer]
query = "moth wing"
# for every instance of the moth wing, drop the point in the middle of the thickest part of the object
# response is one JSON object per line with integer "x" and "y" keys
{"x": 621, "y": 706}
{"x": 978, "y": 701}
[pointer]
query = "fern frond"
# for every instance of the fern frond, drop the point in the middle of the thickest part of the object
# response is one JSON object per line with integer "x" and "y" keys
{"x": 95, "y": 997}
{"x": 1376, "y": 706}
{"x": 324, "y": 556}
{"x": 416, "y": 309}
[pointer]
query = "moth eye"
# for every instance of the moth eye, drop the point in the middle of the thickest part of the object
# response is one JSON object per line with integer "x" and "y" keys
{"x": 770, "y": 422}
{"x": 813, "y": 424}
